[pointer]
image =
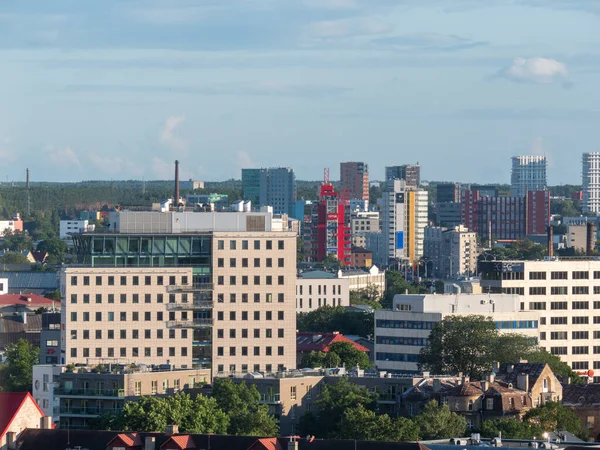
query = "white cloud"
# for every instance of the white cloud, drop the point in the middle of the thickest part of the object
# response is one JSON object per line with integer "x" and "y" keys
{"x": 536, "y": 70}
{"x": 168, "y": 135}
{"x": 63, "y": 157}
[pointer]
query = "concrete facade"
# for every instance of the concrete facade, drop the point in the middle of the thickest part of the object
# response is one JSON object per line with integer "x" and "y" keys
{"x": 313, "y": 293}
{"x": 43, "y": 383}
{"x": 450, "y": 253}
{"x": 354, "y": 177}
{"x": 590, "y": 180}
{"x": 528, "y": 174}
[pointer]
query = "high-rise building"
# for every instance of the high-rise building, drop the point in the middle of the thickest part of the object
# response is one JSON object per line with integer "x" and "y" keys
{"x": 448, "y": 192}
{"x": 354, "y": 177}
{"x": 274, "y": 187}
{"x": 590, "y": 180}
{"x": 410, "y": 173}
{"x": 450, "y": 253}
{"x": 528, "y": 174}
{"x": 326, "y": 230}
{"x": 191, "y": 289}
{"x": 509, "y": 218}
{"x": 403, "y": 221}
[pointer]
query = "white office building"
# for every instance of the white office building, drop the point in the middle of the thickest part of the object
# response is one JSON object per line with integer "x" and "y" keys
{"x": 402, "y": 332}
{"x": 528, "y": 174}
{"x": 68, "y": 228}
{"x": 590, "y": 180}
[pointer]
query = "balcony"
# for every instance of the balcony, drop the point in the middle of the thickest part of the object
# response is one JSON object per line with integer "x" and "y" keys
{"x": 196, "y": 287}
{"x": 196, "y": 323}
{"x": 106, "y": 393}
{"x": 203, "y": 304}
{"x": 89, "y": 411}
{"x": 270, "y": 399}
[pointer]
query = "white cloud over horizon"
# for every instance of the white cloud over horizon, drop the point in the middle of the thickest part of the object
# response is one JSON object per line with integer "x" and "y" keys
{"x": 536, "y": 70}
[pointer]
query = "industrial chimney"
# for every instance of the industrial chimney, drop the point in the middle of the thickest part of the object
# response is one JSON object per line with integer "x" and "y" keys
{"x": 27, "y": 179}
{"x": 550, "y": 242}
{"x": 590, "y": 238}
{"x": 176, "y": 196}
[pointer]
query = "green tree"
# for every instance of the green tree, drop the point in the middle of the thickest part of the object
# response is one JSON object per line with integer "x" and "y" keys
{"x": 201, "y": 415}
{"x": 14, "y": 258}
{"x": 339, "y": 353}
{"x": 241, "y": 404}
{"x": 17, "y": 241}
{"x": 320, "y": 359}
{"x": 333, "y": 401}
{"x": 328, "y": 319}
{"x": 363, "y": 424}
{"x": 510, "y": 429}
{"x": 18, "y": 367}
{"x": 559, "y": 367}
{"x": 438, "y": 422}
{"x": 553, "y": 416}
{"x": 56, "y": 249}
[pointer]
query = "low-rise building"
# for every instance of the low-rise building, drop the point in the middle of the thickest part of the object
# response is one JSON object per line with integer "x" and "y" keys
{"x": 44, "y": 379}
{"x": 584, "y": 400}
{"x": 19, "y": 412}
{"x": 18, "y": 303}
{"x": 14, "y": 225}
{"x": 68, "y": 228}
{"x": 361, "y": 257}
{"x": 319, "y": 288}
{"x": 40, "y": 283}
{"x": 307, "y": 342}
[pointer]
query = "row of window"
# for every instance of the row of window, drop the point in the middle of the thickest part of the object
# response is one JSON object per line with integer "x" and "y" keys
{"x": 244, "y": 333}
{"x": 575, "y": 320}
{"x": 300, "y": 303}
{"x": 245, "y": 245}
{"x": 256, "y": 262}
{"x": 299, "y": 289}
{"x": 409, "y": 324}
{"x": 399, "y": 357}
{"x": 244, "y": 367}
{"x": 244, "y": 297}
{"x": 244, "y": 315}
{"x": 124, "y": 280}
{"x": 101, "y": 352}
{"x": 123, "y": 316}
{"x": 578, "y": 350}
{"x": 541, "y": 306}
{"x": 135, "y": 298}
{"x": 516, "y": 324}
{"x": 233, "y": 280}
{"x": 562, "y": 335}
{"x": 256, "y": 351}
{"x": 135, "y": 334}
{"x": 401, "y": 340}
{"x": 556, "y": 275}
{"x": 563, "y": 290}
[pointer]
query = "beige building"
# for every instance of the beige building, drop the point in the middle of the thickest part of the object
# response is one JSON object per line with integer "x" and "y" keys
{"x": 450, "y": 253}
{"x": 317, "y": 289}
{"x": 363, "y": 222}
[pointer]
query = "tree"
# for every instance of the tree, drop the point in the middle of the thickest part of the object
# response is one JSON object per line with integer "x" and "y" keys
{"x": 56, "y": 249}
{"x": 333, "y": 401}
{"x": 17, "y": 241}
{"x": 18, "y": 368}
{"x": 511, "y": 347}
{"x": 328, "y": 319}
{"x": 369, "y": 295}
{"x": 438, "y": 422}
{"x": 363, "y": 424}
{"x": 339, "y": 353}
{"x": 14, "y": 258}
{"x": 201, "y": 415}
{"x": 240, "y": 403}
{"x": 460, "y": 344}
{"x": 553, "y": 416}
{"x": 559, "y": 367}
{"x": 510, "y": 429}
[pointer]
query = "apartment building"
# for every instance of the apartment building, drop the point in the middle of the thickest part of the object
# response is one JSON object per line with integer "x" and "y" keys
{"x": 565, "y": 294}
{"x": 450, "y": 253}
{"x": 318, "y": 288}
{"x": 191, "y": 289}
{"x": 400, "y": 333}
{"x": 354, "y": 178}
{"x": 361, "y": 223}
{"x": 590, "y": 180}
{"x": 410, "y": 173}
{"x": 528, "y": 174}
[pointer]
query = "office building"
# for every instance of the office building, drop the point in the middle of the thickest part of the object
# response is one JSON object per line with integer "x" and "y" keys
{"x": 448, "y": 214}
{"x": 400, "y": 333}
{"x": 566, "y": 295}
{"x": 447, "y": 193}
{"x": 194, "y": 289}
{"x": 326, "y": 231}
{"x": 506, "y": 218}
{"x": 354, "y": 179}
{"x": 485, "y": 190}
{"x": 362, "y": 223}
{"x": 528, "y": 174}
{"x": 590, "y": 180}
{"x": 68, "y": 228}
{"x": 410, "y": 173}
{"x": 450, "y": 253}
{"x": 318, "y": 288}
{"x": 403, "y": 221}
{"x": 274, "y": 187}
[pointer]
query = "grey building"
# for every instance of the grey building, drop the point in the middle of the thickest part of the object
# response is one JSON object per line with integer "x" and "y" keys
{"x": 448, "y": 192}
{"x": 410, "y": 173}
{"x": 274, "y": 187}
{"x": 50, "y": 339}
{"x": 448, "y": 214}
{"x": 528, "y": 174}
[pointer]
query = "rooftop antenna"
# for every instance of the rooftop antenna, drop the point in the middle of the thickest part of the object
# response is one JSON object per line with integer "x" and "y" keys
{"x": 28, "y": 199}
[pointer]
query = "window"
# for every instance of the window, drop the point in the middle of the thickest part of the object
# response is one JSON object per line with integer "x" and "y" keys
{"x": 98, "y": 316}
{"x": 136, "y": 316}
{"x": 580, "y": 335}
{"x": 256, "y": 245}
{"x": 537, "y": 291}
{"x": 280, "y": 280}
{"x": 292, "y": 392}
{"x": 231, "y": 351}
{"x": 147, "y": 298}
{"x": 580, "y": 350}
{"x": 86, "y": 281}
{"x": 123, "y": 280}
{"x": 244, "y": 245}
{"x": 221, "y": 244}
{"x": 580, "y": 305}
{"x": 244, "y": 262}
{"x": 558, "y": 320}
{"x": 558, "y": 350}
{"x": 558, "y": 305}
{"x": 269, "y": 245}
{"x": 232, "y": 280}
{"x": 537, "y": 305}
{"x": 268, "y": 280}
{"x": 280, "y": 315}
{"x": 86, "y": 298}
{"x": 221, "y": 262}
{"x": 244, "y": 315}
{"x": 123, "y": 334}
{"x": 558, "y": 335}
{"x": 220, "y": 315}
{"x": 111, "y": 298}
{"x": 232, "y": 245}
{"x": 123, "y": 298}
{"x": 221, "y": 280}
{"x": 86, "y": 316}
{"x": 280, "y": 333}
{"x": 111, "y": 334}
{"x": 159, "y": 280}
{"x": 537, "y": 275}
{"x": 257, "y": 332}
{"x": 269, "y": 315}
{"x": 256, "y": 297}
{"x": 280, "y": 245}
{"x": 159, "y": 316}
{"x": 73, "y": 298}
{"x": 147, "y": 316}
{"x": 280, "y": 351}
{"x": 232, "y": 333}
{"x": 269, "y": 262}
{"x": 135, "y": 298}
{"x": 231, "y": 315}
{"x": 111, "y": 316}
{"x": 244, "y": 333}
{"x": 220, "y": 333}
{"x": 256, "y": 315}
{"x": 558, "y": 290}
{"x": 256, "y": 351}
{"x": 98, "y": 280}
{"x": 581, "y": 290}
{"x": 280, "y": 297}
{"x": 232, "y": 262}
{"x": 73, "y": 281}
{"x": 135, "y": 334}
{"x": 147, "y": 334}
{"x": 148, "y": 280}
{"x": 136, "y": 280}
{"x": 580, "y": 275}
{"x": 268, "y": 351}
{"x": 280, "y": 262}
{"x": 558, "y": 275}
{"x": 580, "y": 320}
{"x": 269, "y": 333}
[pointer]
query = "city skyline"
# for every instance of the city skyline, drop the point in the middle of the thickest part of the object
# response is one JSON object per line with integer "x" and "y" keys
{"x": 302, "y": 84}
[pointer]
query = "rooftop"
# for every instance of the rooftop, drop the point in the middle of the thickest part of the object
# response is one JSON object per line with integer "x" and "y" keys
{"x": 27, "y": 300}
{"x": 320, "y": 342}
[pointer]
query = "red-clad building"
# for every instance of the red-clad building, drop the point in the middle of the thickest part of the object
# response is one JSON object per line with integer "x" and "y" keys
{"x": 327, "y": 229}
{"x": 506, "y": 218}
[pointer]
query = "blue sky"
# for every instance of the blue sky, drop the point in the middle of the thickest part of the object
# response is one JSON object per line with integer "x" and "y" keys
{"x": 119, "y": 89}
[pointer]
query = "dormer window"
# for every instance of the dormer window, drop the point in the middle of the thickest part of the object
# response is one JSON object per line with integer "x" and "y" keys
{"x": 470, "y": 405}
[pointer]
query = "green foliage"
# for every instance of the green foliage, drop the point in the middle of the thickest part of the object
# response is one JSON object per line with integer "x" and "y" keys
{"x": 17, "y": 241}
{"x": 369, "y": 296}
{"x": 201, "y": 415}
{"x": 339, "y": 353}
{"x": 396, "y": 284}
{"x": 559, "y": 367}
{"x": 363, "y": 424}
{"x": 565, "y": 208}
{"x": 553, "y": 416}
{"x": 518, "y": 250}
{"x": 55, "y": 295}
{"x": 56, "y": 249}
{"x": 241, "y": 405}
{"x": 18, "y": 368}
{"x": 14, "y": 258}
{"x": 510, "y": 429}
{"x": 335, "y": 318}
{"x": 438, "y": 422}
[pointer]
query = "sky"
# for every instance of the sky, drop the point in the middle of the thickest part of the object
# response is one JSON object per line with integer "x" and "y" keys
{"x": 119, "y": 89}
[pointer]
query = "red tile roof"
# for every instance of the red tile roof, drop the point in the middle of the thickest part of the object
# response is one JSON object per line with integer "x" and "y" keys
{"x": 266, "y": 444}
{"x": 11, "y": 404}
{"x": 126, "y": 439}
{"x": 182, "y": 442}
{"x": 22, "y": 299}
{"x": 307, "y": 341}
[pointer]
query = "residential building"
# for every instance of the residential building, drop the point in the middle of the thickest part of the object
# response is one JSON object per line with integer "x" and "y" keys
{"x": 44, "y": 380}
{"x": 40, "y": 283}
{"x": 326, "y": 230}
{"x": 19, "y": 412}
{"x": 401, "y": 332}
{"x": 50, "y": 338}
{"x": 590, "y": 180}
{"x": 583, "y": 400}
{"x": 577, "y": 237}
{"x": 308, "y": 341}
{"x": 361, "y": 257}
{"x": 506, "y": 218}
{"x": 450, "y": 253}
{"x": 217, "y": 290}
{"x": 81, "y": 396}
{"x": 274, "y": 187}
{"x": 68, "y": 228}
{"x": 25, "y": 325}
{"x": 362, "y": 223}
{"x": 216, "y": 202}
{"x": 354, "y": 178}
{"x": 17, "y": 303}
{"x": 14, "y": 225}
{"x": 318, "y": 288}
{"x": 403, "y": 221}
{"x": 410, "y": 173}
{"x": 565, "y": 294}
{"x": 528, "y": 174}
